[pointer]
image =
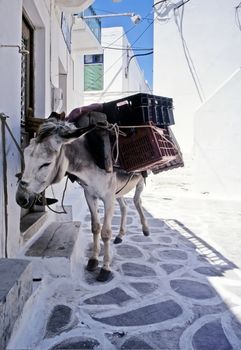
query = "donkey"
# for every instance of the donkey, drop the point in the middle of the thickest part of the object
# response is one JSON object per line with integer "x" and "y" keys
{"x": 61, "y": 148}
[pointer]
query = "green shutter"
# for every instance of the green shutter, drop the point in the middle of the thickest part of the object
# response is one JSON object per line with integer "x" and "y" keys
{"x": 93, "y": 77}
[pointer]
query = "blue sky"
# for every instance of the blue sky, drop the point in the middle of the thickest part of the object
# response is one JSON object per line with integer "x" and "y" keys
{"x": 144, "y": 9}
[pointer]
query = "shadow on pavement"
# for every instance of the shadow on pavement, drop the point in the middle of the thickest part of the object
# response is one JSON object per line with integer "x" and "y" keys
{"x": 169, "y": 291}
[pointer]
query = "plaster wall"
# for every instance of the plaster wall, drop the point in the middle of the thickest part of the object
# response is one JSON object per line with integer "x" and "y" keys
{"x": 53, "y": 66}
{"x": 212, "y": 39}
{"x": 10, "y": 101}
{"x": 217, "y": 142}
{"x": 113, "y": 62}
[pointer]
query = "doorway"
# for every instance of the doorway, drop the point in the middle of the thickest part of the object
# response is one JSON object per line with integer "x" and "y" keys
{"x": 28, "y": 217}
{"x": 27, "y": 75}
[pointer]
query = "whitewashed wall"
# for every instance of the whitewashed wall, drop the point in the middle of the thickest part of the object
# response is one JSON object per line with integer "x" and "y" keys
{"x": 213, "y": 41}
{"x": 217, "y": 135}
{"x": 53, "y": 66}
{"x": 10, "y": 68}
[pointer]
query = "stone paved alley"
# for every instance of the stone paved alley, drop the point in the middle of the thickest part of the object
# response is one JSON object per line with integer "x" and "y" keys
{"x": 179, "y": 288}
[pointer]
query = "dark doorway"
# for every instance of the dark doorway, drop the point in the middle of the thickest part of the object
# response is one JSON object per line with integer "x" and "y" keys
{"x": 28, "y": 217}
{"x": 27, "y": 73}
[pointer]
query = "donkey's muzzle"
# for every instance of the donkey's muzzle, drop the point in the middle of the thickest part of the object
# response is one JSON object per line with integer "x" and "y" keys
{"x": 25, "y": 199}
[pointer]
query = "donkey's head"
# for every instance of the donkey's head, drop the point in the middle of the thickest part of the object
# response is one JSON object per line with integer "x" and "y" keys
{"x": 44, "y": 160}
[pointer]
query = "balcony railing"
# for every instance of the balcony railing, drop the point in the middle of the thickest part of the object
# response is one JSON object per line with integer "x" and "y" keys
{"x": 93, "y": 23}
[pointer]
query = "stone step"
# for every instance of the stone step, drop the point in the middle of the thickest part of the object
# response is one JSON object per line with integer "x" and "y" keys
{"x": 15, "y": 289}
{"x": 56, "y": 250}
{"x": 31, "y": 223}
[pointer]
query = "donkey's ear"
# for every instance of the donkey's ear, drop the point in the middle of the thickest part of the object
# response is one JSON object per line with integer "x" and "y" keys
{"x": 70, "y": 135}
{"x": 58, "y": 116}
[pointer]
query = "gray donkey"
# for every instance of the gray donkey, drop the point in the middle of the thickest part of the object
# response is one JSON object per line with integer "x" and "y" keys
{"x": 60, "y": 148}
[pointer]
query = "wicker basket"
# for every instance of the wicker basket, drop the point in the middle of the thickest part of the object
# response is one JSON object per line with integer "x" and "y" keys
{"x": 148, "y": 147}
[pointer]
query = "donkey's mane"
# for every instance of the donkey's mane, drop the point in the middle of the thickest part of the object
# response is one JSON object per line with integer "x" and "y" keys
{"x": 53, "y": 127}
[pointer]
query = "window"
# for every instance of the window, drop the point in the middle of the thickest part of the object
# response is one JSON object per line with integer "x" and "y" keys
{"x": 91, "y": 59}
{"x": 93, "y": 72}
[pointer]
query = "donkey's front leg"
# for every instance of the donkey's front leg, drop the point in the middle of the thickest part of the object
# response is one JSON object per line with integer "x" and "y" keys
{"x": 106, "y": 234}
{"x": 95, "y": 228}
{"x": 122, "y": 230}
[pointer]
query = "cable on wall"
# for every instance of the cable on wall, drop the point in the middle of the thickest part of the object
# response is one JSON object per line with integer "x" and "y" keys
{"x": 129, "y": 61}
{"x": 192, "y": 69}
{"x": 125, "y": 49}
{"x": 237, "y": 16}
{"x": 114, "y": 63}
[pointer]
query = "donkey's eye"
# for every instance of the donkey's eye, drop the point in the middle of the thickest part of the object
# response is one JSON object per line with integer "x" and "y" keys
{"x": 44, "y": 165}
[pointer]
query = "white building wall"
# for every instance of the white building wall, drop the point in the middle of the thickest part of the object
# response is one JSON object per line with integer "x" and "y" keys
{"x": 217, "y": 127}
{"x": 213, "y": 40}
{"x": 53, "y": 66}
{"x": 133, "y": 79}
{"x": 10, "y": 99}
{"x": 116, "y": 84}
{"x": 206, "y": 118}
{"x": 39, "y": 15}
{"x": 113, "y": 62}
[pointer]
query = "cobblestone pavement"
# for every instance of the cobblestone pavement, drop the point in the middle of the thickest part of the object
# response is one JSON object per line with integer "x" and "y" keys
{"x": 170, "y": 290}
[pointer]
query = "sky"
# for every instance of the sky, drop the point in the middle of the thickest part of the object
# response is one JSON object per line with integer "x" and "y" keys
{"x": 144, "y": 29}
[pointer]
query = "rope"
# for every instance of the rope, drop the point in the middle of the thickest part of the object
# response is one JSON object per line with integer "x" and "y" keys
{"x": 3, "y": 118}
{"x": 5, "y": 185}
{"x": 116, "y": 129}
{"x": 62, "y": 200}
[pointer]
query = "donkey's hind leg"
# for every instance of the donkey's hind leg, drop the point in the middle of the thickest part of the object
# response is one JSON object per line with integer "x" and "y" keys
{"x": 122, "y": 229}
{"x": 138, "y": 205}
{"x": 95, "y": 228}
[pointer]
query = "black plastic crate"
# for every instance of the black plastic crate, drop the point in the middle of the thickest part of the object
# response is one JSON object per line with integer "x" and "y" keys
{"x": 140, "y": 109}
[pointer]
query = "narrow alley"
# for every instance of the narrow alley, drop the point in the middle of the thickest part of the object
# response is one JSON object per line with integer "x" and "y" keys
{"x": 179, "y": 288}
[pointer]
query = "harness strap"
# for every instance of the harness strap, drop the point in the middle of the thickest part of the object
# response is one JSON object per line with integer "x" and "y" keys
{"x": 128, "y": 180}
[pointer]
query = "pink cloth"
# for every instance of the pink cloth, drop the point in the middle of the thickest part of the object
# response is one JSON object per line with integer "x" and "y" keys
{"x": 76, "y": 113}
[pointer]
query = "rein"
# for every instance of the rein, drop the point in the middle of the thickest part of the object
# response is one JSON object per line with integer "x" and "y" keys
{"x": 62, "y": 200}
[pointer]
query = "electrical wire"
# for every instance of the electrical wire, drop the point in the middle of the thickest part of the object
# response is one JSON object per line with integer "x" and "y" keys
{"x": 237, "y": 16}
{"x": 187, "y": 53}
{"x": 120, "y": 37}
{"x": 162, "y": 13}
{"x": 97, "y": 93}
{"x": 182, "y": 4}
{"x": 106, "y": 11}
{"x": 126, "y": 49}
{"x": 137, "y": 55}
{"x": 159, "y": 2}
{"x": 119, "y": 58}
{"x": 142, "y": 33}
{"x": 177, "y": 7}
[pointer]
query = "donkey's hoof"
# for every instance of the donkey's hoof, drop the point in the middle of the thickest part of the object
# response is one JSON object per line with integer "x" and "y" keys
{"x": 104, "y": 275}
{"x": 117, "y": 240}
{"x": 92, "y": 264}
{"x": 146, "y": 233}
